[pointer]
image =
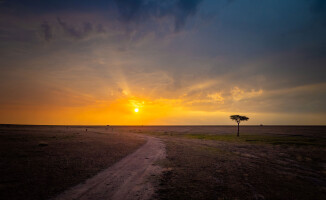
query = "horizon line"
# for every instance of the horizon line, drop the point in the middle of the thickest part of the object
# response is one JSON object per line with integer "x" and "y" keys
{"x": 160, "y": 125}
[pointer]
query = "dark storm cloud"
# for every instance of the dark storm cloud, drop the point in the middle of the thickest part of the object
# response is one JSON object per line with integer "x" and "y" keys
{"x": 73, "y": 31}
{"x": 128, "y": 11}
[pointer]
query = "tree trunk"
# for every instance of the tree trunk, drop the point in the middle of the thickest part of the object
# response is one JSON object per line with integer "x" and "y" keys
{"x": 238, "y": 130}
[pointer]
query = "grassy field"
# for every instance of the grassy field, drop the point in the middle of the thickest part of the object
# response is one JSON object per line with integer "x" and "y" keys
{"x": 38, "y": 162}
{"x": 296, "y": 140}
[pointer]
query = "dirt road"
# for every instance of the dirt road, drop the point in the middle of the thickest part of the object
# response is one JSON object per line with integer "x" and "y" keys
{"x": 127, "y": 179}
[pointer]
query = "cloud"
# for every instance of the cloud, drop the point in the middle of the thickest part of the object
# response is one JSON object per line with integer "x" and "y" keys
{"x": 100, "y": 29}
{"x": 132, "y": 19}
{"x": 238, "y": 94}
{"x": 113, "y": 49}
{"x": 127, "y": 11}
{"x": 74, "y": 32}
{"x": 185, "y": 9}
{"x": 46, "y": 31}
{"x": 216, "y": 97}
{"x": 138, "y": 11}
{"x": 142, "y": 11}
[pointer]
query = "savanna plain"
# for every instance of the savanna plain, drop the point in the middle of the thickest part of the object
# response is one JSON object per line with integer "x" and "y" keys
{"x": 202, "y": 162}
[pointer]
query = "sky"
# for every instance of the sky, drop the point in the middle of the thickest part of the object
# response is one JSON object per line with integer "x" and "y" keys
{"x": 179, "y": 62}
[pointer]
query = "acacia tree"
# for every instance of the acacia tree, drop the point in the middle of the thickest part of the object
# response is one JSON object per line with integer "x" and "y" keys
{"x": 238, "y": 119}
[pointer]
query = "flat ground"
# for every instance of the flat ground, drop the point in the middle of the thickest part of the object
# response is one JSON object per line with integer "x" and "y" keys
{"x": 130, "y": 178}
{"x": 263, "y": 163}
{"x": 39, "y": 162}
{"x": 203, "y": 162}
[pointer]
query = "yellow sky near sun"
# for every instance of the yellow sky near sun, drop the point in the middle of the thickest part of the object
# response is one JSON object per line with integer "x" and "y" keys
{"x": 200, "y": 103}
{"x": 122, "y": 112}
{"x": 119, "y": 112}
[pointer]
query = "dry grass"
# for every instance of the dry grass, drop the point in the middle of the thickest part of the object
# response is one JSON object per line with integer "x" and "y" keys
{"x": 40, "y": 162}
{"x": 202, "y": 169}
{"x": 264, "y": 163}
{"x": 202, "y": 162}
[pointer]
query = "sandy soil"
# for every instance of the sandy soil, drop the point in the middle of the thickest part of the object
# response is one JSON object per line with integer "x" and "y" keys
{"x": 40, "y": 162}
{"x": 130, "y": 178}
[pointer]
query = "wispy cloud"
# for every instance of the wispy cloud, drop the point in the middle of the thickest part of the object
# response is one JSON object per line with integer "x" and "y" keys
{"x": 108, "y": 53}
{"x": 74, "y": 32}
{"x": 46, "y": 31}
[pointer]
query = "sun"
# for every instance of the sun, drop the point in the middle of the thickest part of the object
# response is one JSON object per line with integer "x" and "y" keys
{"x": 136, "y": 110}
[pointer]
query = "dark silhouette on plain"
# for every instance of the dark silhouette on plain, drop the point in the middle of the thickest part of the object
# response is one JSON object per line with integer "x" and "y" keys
{"x": 238, "y": 119}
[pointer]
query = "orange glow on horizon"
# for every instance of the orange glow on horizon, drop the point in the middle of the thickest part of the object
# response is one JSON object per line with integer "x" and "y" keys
{"x": 123, "y": 111}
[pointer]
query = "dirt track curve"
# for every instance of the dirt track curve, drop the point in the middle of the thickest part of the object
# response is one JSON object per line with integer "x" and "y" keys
{"x": 128, "y": 179}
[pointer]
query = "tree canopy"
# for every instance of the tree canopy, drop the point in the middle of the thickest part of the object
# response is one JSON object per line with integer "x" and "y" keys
{"x": 239, "y": 118}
